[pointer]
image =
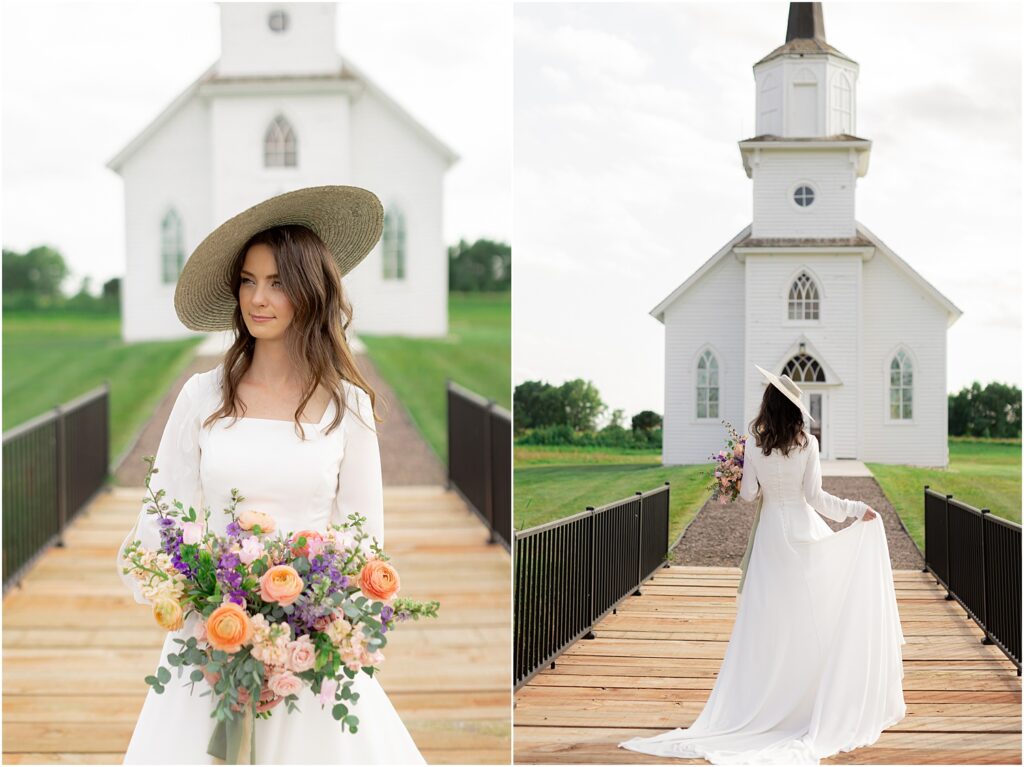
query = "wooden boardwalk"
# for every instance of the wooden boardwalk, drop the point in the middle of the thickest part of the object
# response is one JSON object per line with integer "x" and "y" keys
{"x": 653, "y": 663}
{"x": 76, "y": 647}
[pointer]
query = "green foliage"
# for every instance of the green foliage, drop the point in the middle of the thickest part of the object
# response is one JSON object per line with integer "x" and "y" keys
{"x": 483, "y": 266}
{"x": 646, "y": 420}
{"x": 609, "y": 436}
{"x": 576, "y": 404}
{"x": 992, "y": 411}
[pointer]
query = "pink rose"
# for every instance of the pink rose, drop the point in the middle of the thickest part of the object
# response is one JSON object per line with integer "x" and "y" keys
{"x": 327, "y": 689}
{"x": 192, "y": 532}
{"x": 284, "y": 684}
{"x": 323, "y": 621}
{"x": 252, "y": 549}
{"x": 301, "y": 654}
{"x": 199, "y": 632}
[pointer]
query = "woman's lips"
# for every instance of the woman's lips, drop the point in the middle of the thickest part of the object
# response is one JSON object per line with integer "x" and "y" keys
{"x": 256, "y": 318}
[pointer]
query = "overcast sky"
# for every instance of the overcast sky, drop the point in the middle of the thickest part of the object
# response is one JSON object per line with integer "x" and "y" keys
{"x": 81, "y": 79}
{"x": 628, "y": 176}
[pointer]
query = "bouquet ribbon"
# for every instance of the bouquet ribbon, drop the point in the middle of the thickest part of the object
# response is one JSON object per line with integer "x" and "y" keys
{"x": 750, "y": 542}
{"x": 234, "y": 741}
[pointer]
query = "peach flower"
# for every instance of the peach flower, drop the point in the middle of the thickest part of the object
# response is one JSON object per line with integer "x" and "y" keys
{"x": 310, "y": 536}
{"x": 378, "y": 580}
{"x": 281, "y": 584}
{"x": 284, "y": 683}
{"x": 301, "y": 654}
{"x": 168, "y": 614}
{"x": 247, "y": 520}
{"x": 228, "y": 628}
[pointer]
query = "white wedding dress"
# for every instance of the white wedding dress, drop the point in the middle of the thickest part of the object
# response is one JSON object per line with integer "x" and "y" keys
{"x": 304, "y": 485}
{"x": 814, "y": 665}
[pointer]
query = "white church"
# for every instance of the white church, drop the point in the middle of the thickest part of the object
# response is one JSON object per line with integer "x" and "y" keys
{"x": 816, "y": 294}
{"x": 281, "y": 109}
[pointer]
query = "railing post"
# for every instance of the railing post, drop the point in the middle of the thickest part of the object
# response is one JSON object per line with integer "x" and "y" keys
{"x": 987, "y": 639}
{"x": 639, "y": 541}
{"x": 924, "y": 568}
{"x": 448, "y": 421}
{"x": 668, "y": 519}
{"x": 949, "y": 565}
{"x": 60, "y": 428}
{"x": 489, "y": 472}
{"x": 593, "y": 568}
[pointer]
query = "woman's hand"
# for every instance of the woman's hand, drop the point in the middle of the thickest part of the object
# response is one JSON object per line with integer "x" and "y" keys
{"x": 869, "y": 514}
{"x": 268, "y": 698}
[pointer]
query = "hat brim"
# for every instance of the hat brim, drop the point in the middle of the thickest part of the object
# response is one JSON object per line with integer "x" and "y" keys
{"x": 775, "y": 381}
{"x": 348, "y": 219}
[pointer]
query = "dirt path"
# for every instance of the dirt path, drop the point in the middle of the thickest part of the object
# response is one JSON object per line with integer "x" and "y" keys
{"x": 718, "y": 534}
{"x": 406, "y": 458}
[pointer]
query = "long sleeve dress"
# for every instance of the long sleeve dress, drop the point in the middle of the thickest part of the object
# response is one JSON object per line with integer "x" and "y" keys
{"x": 303, "y": 485}
{"x": 814, "y": 665}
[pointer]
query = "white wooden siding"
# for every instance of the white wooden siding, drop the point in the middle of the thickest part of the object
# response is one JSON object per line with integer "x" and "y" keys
{"x": 711, "y": 313}
{"x": 830, "y": 173}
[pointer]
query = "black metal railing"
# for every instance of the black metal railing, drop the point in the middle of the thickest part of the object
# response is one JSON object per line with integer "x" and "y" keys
{"x": 977, "y": 557}
{"x": 572, "y": 572}
{"x": 53, "y": 465}
{"x": 480, "y": 458}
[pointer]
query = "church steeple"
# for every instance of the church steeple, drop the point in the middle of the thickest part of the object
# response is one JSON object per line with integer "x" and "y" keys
{"x": 805, "y": 87}
{"x": 805, "y": 22}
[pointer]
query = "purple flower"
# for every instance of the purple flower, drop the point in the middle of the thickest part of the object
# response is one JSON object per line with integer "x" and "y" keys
{"x": 386, "y": 612}
{"x": 233, "y": 529}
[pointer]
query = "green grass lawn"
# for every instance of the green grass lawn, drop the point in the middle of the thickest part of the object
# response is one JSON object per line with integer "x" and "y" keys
{"x": 52, "y": 357}
{"x": 982, "y": 473}
{"x": 476, "y": 354}
{"x": 555, "y": 482}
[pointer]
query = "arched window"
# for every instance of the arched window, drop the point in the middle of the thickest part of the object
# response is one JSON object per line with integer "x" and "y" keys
{"x": 803, "y": 299}
{"x": 279, "y": 144}
{"x": 393, "y": 242}
{"x": 707, "y": 386}
{"x": 842, "y": 103}
{"x": 901, "y": 387}
{"x": 172, "y": 246}
{"x": 803, "y": 367}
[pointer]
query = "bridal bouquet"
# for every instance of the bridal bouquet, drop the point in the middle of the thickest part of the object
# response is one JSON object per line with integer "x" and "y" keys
{"x": 728, "y": 471}
{"x": 275, "y": 614}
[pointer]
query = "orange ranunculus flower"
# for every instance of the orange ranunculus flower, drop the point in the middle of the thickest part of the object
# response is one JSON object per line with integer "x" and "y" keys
{"x": 247, "y": 520}
{"x": 228, "y": 628}
{"x": 168, "y": 614}
{"x": 309, "y": 535}
{"x": 281, "y": 584}
{"x": 378, "y": 580}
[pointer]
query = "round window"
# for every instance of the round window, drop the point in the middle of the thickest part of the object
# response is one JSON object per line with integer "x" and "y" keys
{"x": 278, "y": 21}
{"x": 803, "y": 196}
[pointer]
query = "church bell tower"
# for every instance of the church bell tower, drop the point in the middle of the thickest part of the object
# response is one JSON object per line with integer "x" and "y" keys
{"x": 805, "y": 157}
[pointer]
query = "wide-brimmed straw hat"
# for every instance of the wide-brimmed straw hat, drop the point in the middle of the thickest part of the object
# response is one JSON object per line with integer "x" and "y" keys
{"x": 347, "y": 218}
{"x": 786, "y": 385}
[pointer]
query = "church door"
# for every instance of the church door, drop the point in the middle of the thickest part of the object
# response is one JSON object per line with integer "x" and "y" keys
{"x": 814, "y": 404}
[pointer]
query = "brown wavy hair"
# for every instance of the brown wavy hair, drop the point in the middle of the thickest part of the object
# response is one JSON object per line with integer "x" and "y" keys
{"x": 315, "y": 338}
{"x": 779, "y": 424}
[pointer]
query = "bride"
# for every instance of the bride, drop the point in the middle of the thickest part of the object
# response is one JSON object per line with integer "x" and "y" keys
{"x": 814, "y": 665}
{"x": 301, "y": 446}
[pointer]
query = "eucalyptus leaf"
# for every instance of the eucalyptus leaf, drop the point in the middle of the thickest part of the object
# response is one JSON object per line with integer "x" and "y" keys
{"x": 163, "y": 675}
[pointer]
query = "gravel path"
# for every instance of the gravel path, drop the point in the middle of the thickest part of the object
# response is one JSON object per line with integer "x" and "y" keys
{"x": 406, "y": 458}
{"x": 717, "y": 536}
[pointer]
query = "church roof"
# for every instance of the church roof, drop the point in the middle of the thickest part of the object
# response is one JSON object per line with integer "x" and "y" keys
{"x": 863, "y": 238}
{"x": 347, "y": 73}
{"x": 768, "y": 137}
{"x": 805, "y": 33}
{"x": 858, "y": 241}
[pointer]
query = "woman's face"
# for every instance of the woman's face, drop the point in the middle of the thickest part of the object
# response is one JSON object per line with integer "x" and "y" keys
{"x": 261, "y": 295}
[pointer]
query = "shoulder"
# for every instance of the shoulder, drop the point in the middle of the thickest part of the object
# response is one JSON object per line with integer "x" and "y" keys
{"x": 357, "y": 399}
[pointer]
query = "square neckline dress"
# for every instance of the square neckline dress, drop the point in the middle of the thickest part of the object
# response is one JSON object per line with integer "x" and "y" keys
{"x": 814, "y": 664}
{"x": 304, "y": 485}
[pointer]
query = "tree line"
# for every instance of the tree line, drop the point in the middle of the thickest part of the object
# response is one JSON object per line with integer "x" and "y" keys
{"x": 989, "y": 411}
{"x": 34, "y": 280}
{"x": 568, "y": 414}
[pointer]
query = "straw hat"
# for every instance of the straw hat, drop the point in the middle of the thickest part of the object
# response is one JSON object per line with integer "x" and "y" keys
{"x": 348, "y": 219}
{"x": 785, "y": 385}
